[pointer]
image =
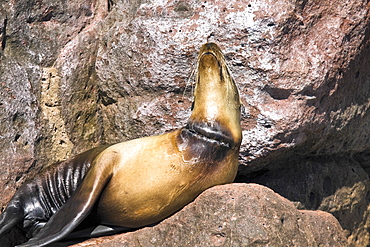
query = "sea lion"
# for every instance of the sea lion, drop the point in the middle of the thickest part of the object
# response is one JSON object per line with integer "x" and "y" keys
{"x": 142, "y": 181}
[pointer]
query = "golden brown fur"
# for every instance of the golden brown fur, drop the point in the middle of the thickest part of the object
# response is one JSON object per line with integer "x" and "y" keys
{"x": 140, "y": 182}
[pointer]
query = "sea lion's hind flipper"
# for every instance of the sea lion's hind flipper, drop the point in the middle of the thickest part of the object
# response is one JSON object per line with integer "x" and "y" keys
{"x": 9, "y": 218}
{"x": 76, "y": 209}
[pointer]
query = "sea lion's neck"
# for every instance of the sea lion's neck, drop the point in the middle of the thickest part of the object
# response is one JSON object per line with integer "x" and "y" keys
{"x": 216, "y": 109}
{"x": 214, "y": 132}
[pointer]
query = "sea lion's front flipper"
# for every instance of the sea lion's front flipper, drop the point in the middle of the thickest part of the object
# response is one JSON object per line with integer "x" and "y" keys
{"x": 71, "y": 214}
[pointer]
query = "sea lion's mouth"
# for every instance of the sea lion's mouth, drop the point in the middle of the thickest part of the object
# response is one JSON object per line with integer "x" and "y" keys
{"x": 208, "y": 53}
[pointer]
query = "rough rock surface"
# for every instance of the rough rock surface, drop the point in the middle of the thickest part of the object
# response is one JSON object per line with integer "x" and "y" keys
{"x": 339, "y": 186}
{"x": 76, "y": 74}
{"x": 236, "y": 215}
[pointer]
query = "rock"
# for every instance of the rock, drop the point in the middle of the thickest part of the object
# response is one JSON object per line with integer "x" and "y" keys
{"x": 33, "y": 133}
{"x": 236, "y": 215}
{"x": 77, "y": 75}
{"x": 338, "y": 186}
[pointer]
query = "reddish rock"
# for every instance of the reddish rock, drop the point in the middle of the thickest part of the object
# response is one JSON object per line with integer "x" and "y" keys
{"x": 236, "y": 215}
{"x": 339, "y": 186}
{"x": 121, "y": 70}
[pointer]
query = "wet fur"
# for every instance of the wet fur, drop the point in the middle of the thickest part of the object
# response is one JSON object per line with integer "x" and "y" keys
{"x": 38, "y": 199}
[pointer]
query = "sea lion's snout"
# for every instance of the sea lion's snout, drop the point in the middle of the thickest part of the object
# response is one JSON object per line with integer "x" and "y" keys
{"x": 209, "y": 68}
{"x": 208, "y": 60}
{"x": 209, "y": 47}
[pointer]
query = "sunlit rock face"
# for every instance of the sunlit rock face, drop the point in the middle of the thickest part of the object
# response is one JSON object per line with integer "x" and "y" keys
{"x": 74, "y": 75}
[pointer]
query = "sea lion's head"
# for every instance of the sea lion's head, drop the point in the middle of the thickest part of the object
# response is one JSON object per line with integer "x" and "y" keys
{"x": 216, "y": 108}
